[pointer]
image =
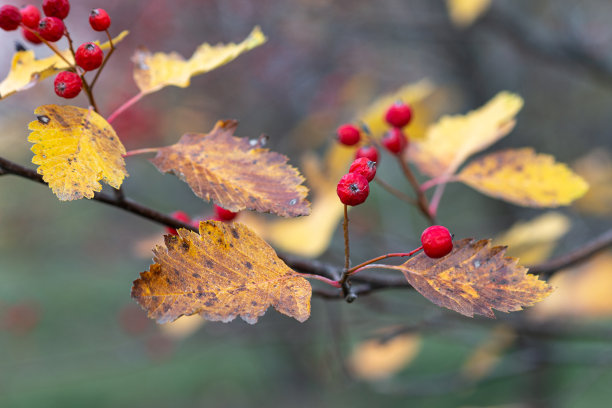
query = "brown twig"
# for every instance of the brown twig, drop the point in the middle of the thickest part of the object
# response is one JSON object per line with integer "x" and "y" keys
{"x": 421, "y": 198}
{"x": 106, "y": 58}
{"x": 394, "y": 191}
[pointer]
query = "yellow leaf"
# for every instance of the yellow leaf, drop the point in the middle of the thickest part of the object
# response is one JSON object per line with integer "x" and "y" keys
{"x": 488, "y": 354}
{"x": 474, "y": 278}
{"x": 26, "y": 71}
{"x": 235, "y": 173}
{"x": 376, "y": 360}
{"x": 533, "y": 241}
{"x": 596, "y": 169}
{"x": 450, "y": 141}
{"x": 580, "y": 292}
{"x": 224, "y": 272}
{"x": 183, "y": 328}
{"x": 152, "y": 72}
{"x": 76, "y": 148}
{"x": 524, "y": 178}
{"x": 464, "y": 12}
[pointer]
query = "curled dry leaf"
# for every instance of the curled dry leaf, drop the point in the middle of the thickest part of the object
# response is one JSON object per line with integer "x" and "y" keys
{"x": 525, "y": 178}
{"x": 474, "y": 278}
{"x": 450, "y": 141}
{"x": 75, "y": 148}
{"x": 153, "y": 72}
{"x": 224, "y": 272}
{"x": 235, "y": 173}
{"x": 26, "y": 71}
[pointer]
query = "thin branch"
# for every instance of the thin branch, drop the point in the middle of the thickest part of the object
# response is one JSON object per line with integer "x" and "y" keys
{"x": 106, "y": 58}
{"x": 421, "y": 198}
{"x": 394, "y": 191}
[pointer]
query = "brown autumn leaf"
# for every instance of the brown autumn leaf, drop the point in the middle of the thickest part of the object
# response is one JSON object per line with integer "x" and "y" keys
{"x": 235, "y": 173}
{"x": 474, "y": 278}
{"x": 224, "y": 272}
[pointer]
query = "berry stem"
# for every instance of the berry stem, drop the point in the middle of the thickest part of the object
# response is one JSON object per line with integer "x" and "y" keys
{"x": 86, "y": 86}
{"x": 335, "y": 284}
{"x": 435, "y": 199}
{"x": 124, "y": 107}
{"x": 436, "y": 181}
{"x": 394, "y": 191}
{"x": 51, "y": 46}
{"x": 141, "y": 151}
{"x": 357, "y": 268}
{"x": 347, "y": 260}
{"x": 106, "y": 57}
{"x": 421, "y": 198}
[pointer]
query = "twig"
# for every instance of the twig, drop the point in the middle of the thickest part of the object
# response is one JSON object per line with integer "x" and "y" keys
{"x": 421, "y": 199}
{"x": 106, "y": 58}
{"x": 397, "y": 193}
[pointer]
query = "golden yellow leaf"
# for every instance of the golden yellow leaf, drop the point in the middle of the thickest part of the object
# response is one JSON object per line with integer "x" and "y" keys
{"x": 474, "y": 278}
{"x": 235, "y": 173}
{"x": 224, "y": 272}
{"x": 533, "y": 241}
{"x": 596, "y": 169}
{"x": 488, "y": 354}
{"x": 152, "y": 72}
{"x": 525, "y": 178}
{"x": 26, "y": 71}
{"x": 450, "y": 141}
{"x": 75, "y": 148}
{"x": 464, "y": 12}
{"x": 375, "y": 360}
{"x": 183, "y": 327}
{"x": 580, "y": 292}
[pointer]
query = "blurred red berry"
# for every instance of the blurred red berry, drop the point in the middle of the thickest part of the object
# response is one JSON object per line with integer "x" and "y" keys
{"x": 369, "y": 152}
{"x": 224, "y": 215}
{"x": 365, "y": 167}
{"x": 51, "y": 28}
{"x": 398, "y": 115}
{"x": 99, "y": 19}
{"x": 56, "y": 8}
{"x": 30, "y": 36}
{"x": 348, "y": 134}
{"x": 395, "y": 141}
{"x": 10, "y": 18}
{"x": 30, "y": 16}
{"x": 181, "y": 216}
{"x": 89, "y": 56}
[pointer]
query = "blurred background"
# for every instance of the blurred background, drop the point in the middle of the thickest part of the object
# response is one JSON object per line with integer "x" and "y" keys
{"x": 71, "y": 336}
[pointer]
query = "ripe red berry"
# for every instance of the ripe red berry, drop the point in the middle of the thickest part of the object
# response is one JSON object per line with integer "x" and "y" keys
{"x": 180, "y": 216}
{"x": 398, "y": 115}
{"x": 353, "y": 189}
{"x": 10, "y": 18}
{"x": 56, "y": 8}
{"x": 437, "y": 241}
{"x": 29, "y": 36}
{"x": 30, "y": 16}
{"x": 99, "y": 19}
{"x": 365, "y": 167}
{"x": 89, "y": 56}
{"x": 224, "y": 215}
{"x": 348, "y": 134}
{"x": 395, "y": 140}
{"x": 369, "y": 152}
{"x": 67, "y": 84}
{"x": 51, "y": 28}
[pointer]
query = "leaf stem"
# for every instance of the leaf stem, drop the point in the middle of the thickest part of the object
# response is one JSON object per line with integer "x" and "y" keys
{"x": 331, "y": 282}
{"x": 106, "y": 58}
{"x": 141, "y": 151}
{"x": 347, "y": 260}
{"x": 355, "y": 269}
{"x": 443, "y": 179}
{"x": 421, "y": 198}
{"x": 124, "y": 107}
{"x": 435, "y": 199}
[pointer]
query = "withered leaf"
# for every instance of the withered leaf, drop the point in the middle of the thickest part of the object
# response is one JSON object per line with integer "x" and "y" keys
{"x": 224, "y": 272}
{"x": 474, "y": 279}
{"x": 235, "y": 173}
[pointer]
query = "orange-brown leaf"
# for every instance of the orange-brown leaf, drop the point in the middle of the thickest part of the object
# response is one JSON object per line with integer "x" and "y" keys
{"x": 474, "y": 279}
{"x": 224, "y": 272}
{"x": 235, "y": 173}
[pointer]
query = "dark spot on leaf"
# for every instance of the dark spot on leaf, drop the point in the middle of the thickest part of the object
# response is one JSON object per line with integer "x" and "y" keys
{"x": 248, "y": 265}
{"x": 169, "y": 281}
{"x": 44, "y": 119}
{"x": 209, "y": 263}
{"x": 196, "y": 275}
{"x": 185, "y": 245}
{"x": 235, "y": 233}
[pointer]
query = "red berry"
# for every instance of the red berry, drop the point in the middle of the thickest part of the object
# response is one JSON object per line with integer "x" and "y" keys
{"x": 29, "y": 36}
{"x": 56, "y": 8}
{"x": 348, "y": 134}
{"x": 180, "y": 216}
{"x": 437, "y": 241}
{"x": 365, "y": 167}
{"x": 10, "y": 18}
{"x": 369, "y": 152}
{"x": 353, "y": 189}
{"x": 395, "y": 140}
{"x": 399, "y": 115}
{"x": 51, "y": 28}
{"x": 68, "y": 84}
{"x": 99, "y": 19}
{"x": 89, "y": 56}
{"x": 224, "y": 215}
{"x": 30, "y": 16}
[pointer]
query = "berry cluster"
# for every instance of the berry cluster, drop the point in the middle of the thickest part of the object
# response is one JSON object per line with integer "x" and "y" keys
{"x": 220, "y": 214}
{"x": 353, "y": 188}
{"x": 50, "y": 29}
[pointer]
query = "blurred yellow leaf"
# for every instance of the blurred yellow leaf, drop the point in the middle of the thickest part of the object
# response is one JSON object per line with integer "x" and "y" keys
{"x": 525, "y": 178}
{"x": 376, "y": 360}
{"x": 26, "y": 71}
{"x": 152, "y": 72}
{"x": 596, "y": 169}
{"x": 580, "y": 292}
{"x": 75, "y": 148}
{"x": 464, "y": 12}
{"x": 183, "y": 327}
{"x": 224, "y": 272}
{"x": 487, "y": 355}
{"x": 450, "y": 141}
{"x": 533, "y": 241}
